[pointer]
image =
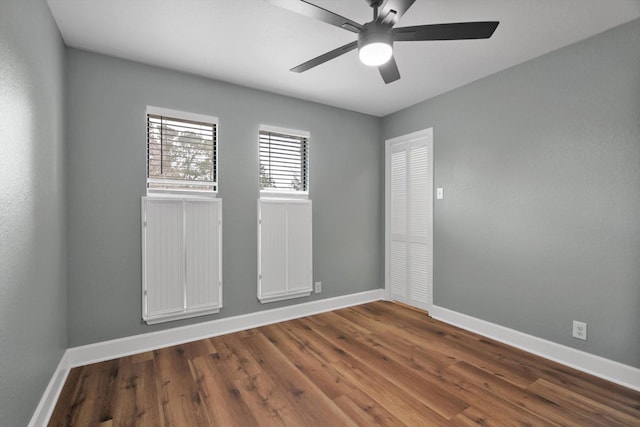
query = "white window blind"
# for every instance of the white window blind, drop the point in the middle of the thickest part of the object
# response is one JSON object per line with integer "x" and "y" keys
{"x": 182, "y": 258}
{"x": 181, "y": 152}
{"x": 284, "y": 161}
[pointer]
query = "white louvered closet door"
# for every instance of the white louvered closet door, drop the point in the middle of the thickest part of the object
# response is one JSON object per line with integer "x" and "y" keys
{"x": 409, "y": 235}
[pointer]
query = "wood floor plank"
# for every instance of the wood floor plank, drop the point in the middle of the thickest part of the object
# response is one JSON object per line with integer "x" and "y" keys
{"x": 448, "y": 341}
{"x": 454, "y": 342}
{"x": 93, "y": 396}
{"x": 309, "y": 357}
{"x": 376, "y": 358}
{"x": 141, "y": 357}
{"x": 65, "y": 409}
{"x": 364, "y": 414}
{"x": 497, "y": 413}
{"x": 418, "y": 352}
{"x": 400, "y": 403}
{"x": 298, "y": 343}
{"x": 597, "y": 413}
{"x": 178, "y": 393}
{"x": 314, "y": 407}
{"x": 362, "y": 372}
{"x": 220, "y": 393}
{"x": 263, "y": 395}
{"x": 607, "y": 393}
{"x": 376, "y": 364}
{"x": 486, "y": 383}
{"x": 136, "y": 400}
{"x": 125, "y": 407}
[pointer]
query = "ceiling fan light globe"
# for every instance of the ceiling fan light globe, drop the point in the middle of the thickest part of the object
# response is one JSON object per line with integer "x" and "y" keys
{"x": 375, "y": 54}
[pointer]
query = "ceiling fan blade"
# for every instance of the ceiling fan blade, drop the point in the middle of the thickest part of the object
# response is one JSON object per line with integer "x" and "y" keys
{"x": 389, "y": 71}
{"x": 453, "y": 31}
{"x": 391, "y": 11}
{"x": 325, "y": 57}
{"x": 316, "y": 12}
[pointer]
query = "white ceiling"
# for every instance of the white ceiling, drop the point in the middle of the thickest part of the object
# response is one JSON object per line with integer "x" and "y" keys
{"x": 253, "y": 43}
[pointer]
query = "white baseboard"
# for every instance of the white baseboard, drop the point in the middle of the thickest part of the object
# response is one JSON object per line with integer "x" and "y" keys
{"x": 50, "y": 396}
{"x": 625, "y": 375}
{"x": 106, "y": 350}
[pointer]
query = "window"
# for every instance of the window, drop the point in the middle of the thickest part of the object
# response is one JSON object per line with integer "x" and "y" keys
{"x": 284, "y": 161}
{"x": 181, "y": 231}
{"x": 181, "y": 151}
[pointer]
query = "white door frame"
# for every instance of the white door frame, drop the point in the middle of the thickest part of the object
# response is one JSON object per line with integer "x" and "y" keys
{"x": 408, "y": 138}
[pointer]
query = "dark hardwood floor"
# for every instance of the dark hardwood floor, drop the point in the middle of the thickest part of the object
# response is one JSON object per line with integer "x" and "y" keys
{"x": 374, "y": 364}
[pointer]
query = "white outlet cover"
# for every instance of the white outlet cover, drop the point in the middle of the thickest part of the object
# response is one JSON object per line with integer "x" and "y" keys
{"x": 579, "y": 330}
{"x": 439, "y": 193}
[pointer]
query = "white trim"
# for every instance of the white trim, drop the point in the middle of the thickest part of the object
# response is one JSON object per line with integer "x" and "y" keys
{"x": 625, "y": 375}
{"x": 50, "y": 396}
{"x": 283, "y": 297}
{"x": 183, "y": 197}
{"x": 181, "y": 194}
{"x": 182, "y": 314}
{"x": 177, "y": 114}
{"x": 411, "y": 137}
{"x": 285, "y": 131}
{"x": 284, "y": 194}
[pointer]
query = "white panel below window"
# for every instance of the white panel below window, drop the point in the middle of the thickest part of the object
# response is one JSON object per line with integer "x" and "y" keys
{"x": 164, "y": 257}
{"x": 202, "y": 240}
{"x": 284, "y": 249}
{"x": 182, "y": 258}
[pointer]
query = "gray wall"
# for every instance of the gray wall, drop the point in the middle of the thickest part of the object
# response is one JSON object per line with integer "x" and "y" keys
{"x": 106, "y": 101}
{"x": 32, "y": 194}
{"x": 541, "y": 169}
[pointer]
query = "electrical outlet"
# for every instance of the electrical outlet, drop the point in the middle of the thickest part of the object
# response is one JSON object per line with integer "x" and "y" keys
{"x": 318, "y": 287}
{"x": 579, "y": 330}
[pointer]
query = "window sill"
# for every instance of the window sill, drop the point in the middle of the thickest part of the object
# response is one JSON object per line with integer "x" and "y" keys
{"x": 182, "y": 194}
{"x": 168, "y": 317}
{"x": 264, "y": 194}
{"x": 283, "y": 296}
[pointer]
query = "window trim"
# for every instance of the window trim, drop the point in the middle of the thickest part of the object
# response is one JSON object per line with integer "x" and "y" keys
{"x": 183, "y": 115}
{"x": 267, "y": 193}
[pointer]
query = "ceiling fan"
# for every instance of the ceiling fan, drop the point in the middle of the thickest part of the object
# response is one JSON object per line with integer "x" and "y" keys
{"x": 375, "y": 38}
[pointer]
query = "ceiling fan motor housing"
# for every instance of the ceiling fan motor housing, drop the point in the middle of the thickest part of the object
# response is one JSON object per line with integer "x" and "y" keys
{"x": 374, "y": 32}
{"x": 374, "y": 3}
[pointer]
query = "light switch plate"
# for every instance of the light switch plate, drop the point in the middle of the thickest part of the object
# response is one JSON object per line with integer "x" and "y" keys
{"x": 440, "y": 193}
